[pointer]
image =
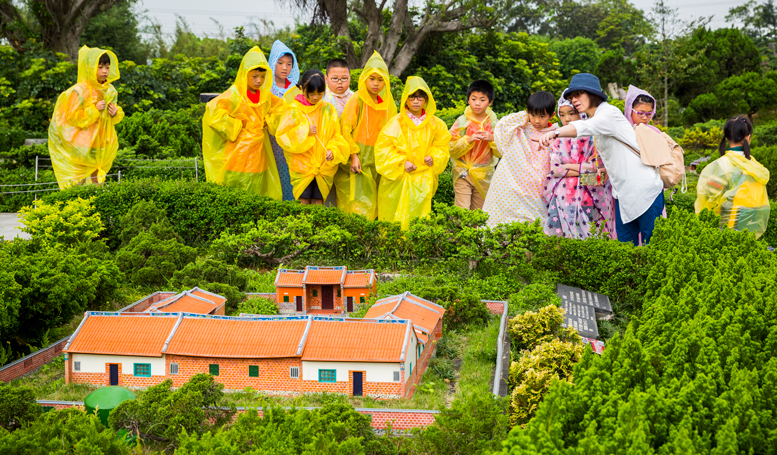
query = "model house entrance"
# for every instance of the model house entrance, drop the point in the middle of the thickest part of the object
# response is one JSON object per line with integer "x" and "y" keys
{"x": 298, "y": 300}
{"x": 349, "y": 304}
{"x": 113, "y": 374}
{"x": 327, "y": 297}
{"x": 358, "y": 379}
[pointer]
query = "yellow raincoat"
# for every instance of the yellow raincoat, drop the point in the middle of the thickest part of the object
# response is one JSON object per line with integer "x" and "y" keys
{"x": 735, "y": 188}
{"x": 306, "y": 153}
{"x": 291, "y": 93}
{"x": 82, "y": 139}
{"x": 478, "y": 158}
{"x": 404, "y": 195}
{"x": 235, "y": 141}
{"x": 362, "y": 121}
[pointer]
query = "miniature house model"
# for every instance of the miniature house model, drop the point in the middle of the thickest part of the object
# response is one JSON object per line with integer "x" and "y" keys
{"x": 323, "y": 290}
{"x": 381, "y": 357}
{"x": 194, "y": 300}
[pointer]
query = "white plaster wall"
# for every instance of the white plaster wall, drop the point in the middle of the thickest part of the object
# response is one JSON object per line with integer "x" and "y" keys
{"x": 94, "y": 363}
{"x": 410, "y": 355}
{"x": 376, "y": 372}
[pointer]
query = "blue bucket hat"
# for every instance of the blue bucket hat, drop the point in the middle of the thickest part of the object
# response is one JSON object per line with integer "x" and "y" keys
{"x": 586, "y": 82}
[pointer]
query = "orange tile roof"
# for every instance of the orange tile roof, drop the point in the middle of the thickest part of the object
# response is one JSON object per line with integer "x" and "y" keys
{"x": 187, "y": 304}
{"x": 358, "y": 278}
{"x": 204, "y": 337}
{"x": 123, "y": 335}
{"x": 422, "y": 313}
{"x": 355, "y": 341}
{"x": 288, "y": 278}
{"x": 215, "y": 298}
{"x": 324, "y": 276}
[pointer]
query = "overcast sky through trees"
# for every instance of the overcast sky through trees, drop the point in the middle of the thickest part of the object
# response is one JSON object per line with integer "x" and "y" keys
{"x": 233, "y": 13}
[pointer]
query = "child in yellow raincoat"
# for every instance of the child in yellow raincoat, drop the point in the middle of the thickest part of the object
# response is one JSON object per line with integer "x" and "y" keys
{"x": 473, "y": 150}
{"x": 309, "y": 132}
{"x": 410, "y": 153}
{"x": 235, "y": 140}
{"x": 364, "y": 116}
{"x": 82, "y": 137}
{"x": 734, "y": 185}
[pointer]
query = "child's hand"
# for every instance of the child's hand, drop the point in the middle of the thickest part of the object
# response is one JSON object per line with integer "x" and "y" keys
{"x": 409, "y": 167}
{"x": 429, "y": 161}
{"x": 100, "y": 105}
{"x": 487, "y": 136}
{"x": 313, "y": 130}
{"x": 112, "y": 110}
{"x": 329, "y": 155}
{"x": 356, "y": 164}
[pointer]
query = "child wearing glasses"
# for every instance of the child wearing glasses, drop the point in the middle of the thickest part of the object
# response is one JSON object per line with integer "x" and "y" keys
{"x": 309, "y": 132}
{"x": 411, "y": 152}
{"x": 338, "y": 82}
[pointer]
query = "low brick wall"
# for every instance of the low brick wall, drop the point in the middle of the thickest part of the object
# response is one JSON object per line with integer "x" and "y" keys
{"x": 143, "y": 304}
{"x": 399, "y": 419}
{"x": 32, "y": 362}
{"x": 494, "y": 306}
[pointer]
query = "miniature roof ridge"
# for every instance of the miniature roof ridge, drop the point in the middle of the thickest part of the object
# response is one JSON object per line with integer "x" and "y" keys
{"x": 197, "y": 288}
{"x": 164, "y": 304}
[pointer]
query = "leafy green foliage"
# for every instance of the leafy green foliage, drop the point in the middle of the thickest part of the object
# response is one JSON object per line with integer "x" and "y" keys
{"x": 533, "y": 297}
{"x": 165, "y": 415}
{"x": 17, "y": 406}
{"x": 163, "y": 134}
{"x": 63, "y": 432}
{"x": 472, "y": 425}
{"x": 576, "y": 55}
{"x": 151, "y": 257}
{"x": 534, "y": 328}
{"x": 69, "y": 223}
{"x": 699, "y": 362}
{"x": 258, "y": 305}
{"x": 748, "y": 93}
{"x": 768, "y": 157}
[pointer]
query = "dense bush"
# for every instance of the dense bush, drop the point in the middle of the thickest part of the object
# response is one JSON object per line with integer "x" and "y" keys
{"x": 151, "y": 257}
{"x": 697, "y": 371}
{"x": 163, "y": 414}
{"x": 533, "y": 297}
{"x": 66, "y": 223}
{"x": 533, "y": 328}
{"x": 163, "y": 134}
{"x": 17, "y": 406}
{"x": 258, "y": 305}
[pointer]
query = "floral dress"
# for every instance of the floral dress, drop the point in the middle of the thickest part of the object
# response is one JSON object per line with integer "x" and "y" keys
{"x": 574, "y": 208}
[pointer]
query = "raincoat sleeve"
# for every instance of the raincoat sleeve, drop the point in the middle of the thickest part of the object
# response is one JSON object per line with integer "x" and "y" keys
{"x": 293, "y": 133}
{"x": 119, "y": 115}
{"x": 221, "y": 119}
{"x": 348, "y": 121}
{"x": 274, "y": 114}
{"x": 78, "y": 114}
{"x": 459, "y": 144}
{"x": 390, "y": 154}
{"x": 711, "y": 188}
{"x": 440, "y": 149}
{"x": 557, "y": 169}
{"x": 338, "y": 145}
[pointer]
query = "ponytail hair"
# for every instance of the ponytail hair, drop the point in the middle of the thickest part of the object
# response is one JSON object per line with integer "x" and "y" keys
{"x": 312, "y": 81}
{"x": 736, "y": 130}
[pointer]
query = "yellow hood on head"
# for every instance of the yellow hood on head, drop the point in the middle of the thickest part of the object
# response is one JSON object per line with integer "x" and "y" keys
{"x": 89, "y": 60}
{"x": 254, "y": 59}
{"x": 376, "y": 65}
{"x": 751, "y": 167}
{"x": 412, "y": 85}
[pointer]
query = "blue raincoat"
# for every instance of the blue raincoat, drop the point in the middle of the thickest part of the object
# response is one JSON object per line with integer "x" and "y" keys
{"x": 278, "y": 50}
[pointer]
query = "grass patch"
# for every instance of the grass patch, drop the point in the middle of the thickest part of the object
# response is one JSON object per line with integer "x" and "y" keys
{"x": 49, "y": 383}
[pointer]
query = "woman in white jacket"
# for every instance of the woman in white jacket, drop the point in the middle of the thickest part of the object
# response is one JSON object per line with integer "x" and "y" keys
{"x": 637, "y": 188}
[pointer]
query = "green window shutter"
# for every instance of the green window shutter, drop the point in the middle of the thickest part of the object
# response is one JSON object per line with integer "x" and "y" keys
{"x": 338, "y": 292}
{"x": 361, "y": 299}
{"x": 142, "y": 370}
{"x": 253, "y": 371}
{"x": 315, "y": 292}
{"x": 286, "y": 299}
{"x": 327, "y": 375}
{"x": 213, "y": 369}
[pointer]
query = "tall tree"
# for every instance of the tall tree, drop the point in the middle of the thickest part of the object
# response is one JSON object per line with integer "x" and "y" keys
{"x": 58, "y": 24}
{"x": 398, "y": 32}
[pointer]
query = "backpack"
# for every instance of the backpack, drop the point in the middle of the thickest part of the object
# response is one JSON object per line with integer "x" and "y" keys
{"x": 660, "y": 151}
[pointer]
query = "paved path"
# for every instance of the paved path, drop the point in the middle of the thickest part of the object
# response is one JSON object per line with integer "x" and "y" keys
{"x": 8, "y": 224}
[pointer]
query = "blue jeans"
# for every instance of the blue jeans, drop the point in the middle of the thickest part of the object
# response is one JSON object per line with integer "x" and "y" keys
{"x": 642, "y": 225}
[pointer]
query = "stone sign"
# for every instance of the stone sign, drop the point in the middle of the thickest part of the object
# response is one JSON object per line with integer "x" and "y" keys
{"x": 582, "y": 308}
{"x": 599, "y": 302}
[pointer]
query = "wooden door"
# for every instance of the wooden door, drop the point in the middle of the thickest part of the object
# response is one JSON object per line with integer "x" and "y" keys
{"x": 358, "y": 378}
{"x": 113, "y": 374}
{"x": 349, "y": 304}
{"x": 298, "y": 300}
{"x": 327, "y": 297}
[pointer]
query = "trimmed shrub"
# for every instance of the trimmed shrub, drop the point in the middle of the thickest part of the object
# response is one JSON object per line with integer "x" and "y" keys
{"x": 533, "y": 328}
{"x": 258, "y": 305}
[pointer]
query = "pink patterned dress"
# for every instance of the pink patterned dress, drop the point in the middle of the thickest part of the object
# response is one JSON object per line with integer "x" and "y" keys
{"x": 573, "y": 209}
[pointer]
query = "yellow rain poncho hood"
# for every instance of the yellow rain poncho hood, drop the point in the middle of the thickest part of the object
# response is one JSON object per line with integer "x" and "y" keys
{"x": 82, "y": 139}
{"x": 404, "y": 195}
{"x": 735, "y": 188}
{"x": 235, "y": 143}
{"x": 362, "y": 121}
{"x": 476, "y": 159}
{"x": 306, "y": 153}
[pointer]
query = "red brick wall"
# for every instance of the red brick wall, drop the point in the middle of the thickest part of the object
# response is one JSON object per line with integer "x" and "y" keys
{"x": 221, "y": 311}
{"x": 400, "y": 419}
{"x": 233, "y": 373}
{"x": 32, "y": 362}
{"x": 495, "y": 307}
